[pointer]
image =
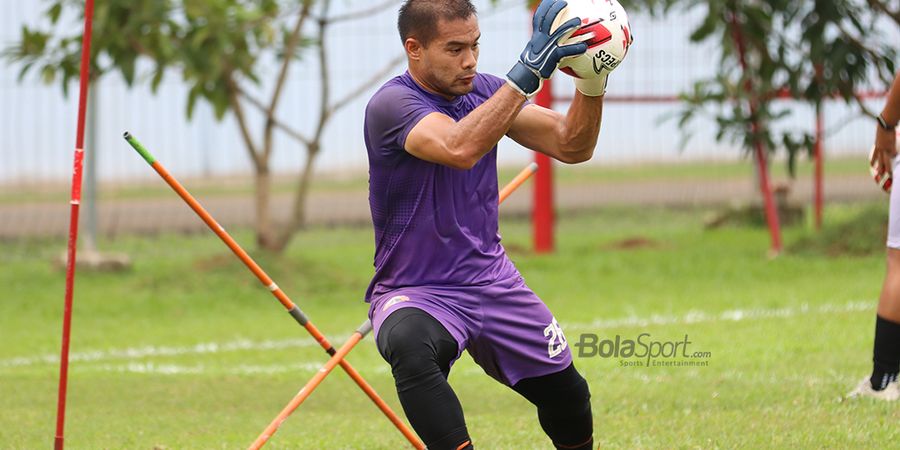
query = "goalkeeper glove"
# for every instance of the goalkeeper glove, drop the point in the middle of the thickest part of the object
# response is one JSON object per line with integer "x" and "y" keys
{"x": 542, "y": 54}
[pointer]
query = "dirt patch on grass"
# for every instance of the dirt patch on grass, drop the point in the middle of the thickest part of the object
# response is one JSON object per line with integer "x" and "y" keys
{"x": 633, "y": 243}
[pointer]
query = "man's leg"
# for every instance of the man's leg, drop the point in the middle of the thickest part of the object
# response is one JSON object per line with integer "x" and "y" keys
{"x": 521, "y": 345}
{"x": 420, "y": 350}
{"x": 563, "y": 406}
{"x": 881, "y": 383}
{"x": 886, "y": 351}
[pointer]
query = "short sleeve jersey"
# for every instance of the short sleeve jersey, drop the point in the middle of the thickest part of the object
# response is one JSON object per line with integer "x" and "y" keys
{"x": 434, "y": 225}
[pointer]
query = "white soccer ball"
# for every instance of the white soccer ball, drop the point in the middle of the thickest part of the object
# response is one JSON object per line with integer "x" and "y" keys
{"x": 605, "y": 29}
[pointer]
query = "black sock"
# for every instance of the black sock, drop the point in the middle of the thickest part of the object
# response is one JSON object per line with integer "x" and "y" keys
{"x": 886, "y": 355}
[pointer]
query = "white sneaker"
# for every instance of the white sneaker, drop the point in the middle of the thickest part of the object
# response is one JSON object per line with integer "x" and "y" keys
{"x": 864, "y": 389}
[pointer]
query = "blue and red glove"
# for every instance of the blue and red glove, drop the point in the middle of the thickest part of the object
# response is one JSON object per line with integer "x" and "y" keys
{"x": 542, "y": 54}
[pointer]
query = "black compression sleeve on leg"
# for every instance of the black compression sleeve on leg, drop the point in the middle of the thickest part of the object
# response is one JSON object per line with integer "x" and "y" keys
{"x": 420, "y": 350}
{"x": 886, "y": 353}
{"x": 563, "y": 402}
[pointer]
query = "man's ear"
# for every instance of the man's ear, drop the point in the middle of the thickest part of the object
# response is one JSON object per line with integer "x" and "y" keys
{"x": 413, "y": 48}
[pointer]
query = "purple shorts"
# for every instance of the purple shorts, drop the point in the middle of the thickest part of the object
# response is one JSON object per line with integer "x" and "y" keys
{"x": 506, "y": 328}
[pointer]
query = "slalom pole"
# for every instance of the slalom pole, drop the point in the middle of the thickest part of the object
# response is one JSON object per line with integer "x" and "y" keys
{"x": 357, "y": 336}
{"x": 75, "y": 204}
{"x": 291, "y": 307}
{"x": 525, "y": 174}
{"x": 311, "y": 385}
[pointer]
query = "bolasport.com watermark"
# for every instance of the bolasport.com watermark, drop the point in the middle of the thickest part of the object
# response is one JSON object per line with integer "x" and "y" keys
{"x": 642, "y": 350}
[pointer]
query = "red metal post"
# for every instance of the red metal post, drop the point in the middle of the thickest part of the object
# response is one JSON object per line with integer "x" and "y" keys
{"x": 75, "y": 202}
{"x": 820, "y": 169}
{"x": 542, "y": 214}
{"x": 759, "y": 151}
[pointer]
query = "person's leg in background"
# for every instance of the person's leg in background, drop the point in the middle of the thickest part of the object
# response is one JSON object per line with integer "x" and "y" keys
{"x": 882, "y": 383}
{"x": 886, "y": 349}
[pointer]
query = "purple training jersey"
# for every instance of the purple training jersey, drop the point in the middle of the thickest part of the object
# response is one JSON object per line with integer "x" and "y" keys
{"x": 434, "y": 225}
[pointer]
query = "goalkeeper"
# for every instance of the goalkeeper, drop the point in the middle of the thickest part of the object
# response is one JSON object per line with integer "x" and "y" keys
{"x": 443, "y": 283}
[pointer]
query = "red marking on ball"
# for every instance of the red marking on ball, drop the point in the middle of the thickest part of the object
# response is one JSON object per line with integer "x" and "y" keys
{"x": 601, "y": 34}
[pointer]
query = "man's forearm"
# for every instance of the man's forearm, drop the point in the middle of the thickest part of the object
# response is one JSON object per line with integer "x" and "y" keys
{"x": 477, "y": 133}
{"x": 891, "y": 111}
{"x": 579, "y": 131}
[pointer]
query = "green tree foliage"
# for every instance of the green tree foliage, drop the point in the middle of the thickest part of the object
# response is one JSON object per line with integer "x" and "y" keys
{"x": 210, "y": 42}
{"x": 769, "y": 49}
{"x": 217, "y": 47}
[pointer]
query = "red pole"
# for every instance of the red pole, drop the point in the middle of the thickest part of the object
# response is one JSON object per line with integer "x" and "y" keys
{"x": 542, "y": 217}
{"x": 542, "y": 213}
{"x": 759, "y": 151}
{"x": 75, "y": 202}
{"x": 818, "y": 149}
{"x": 820, "y": 163}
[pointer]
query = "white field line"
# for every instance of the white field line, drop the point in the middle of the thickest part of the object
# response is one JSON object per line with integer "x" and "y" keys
{"x": 691, "y": 317}
{"x": 151, "y": 351}
{"x": 240, "y": 369}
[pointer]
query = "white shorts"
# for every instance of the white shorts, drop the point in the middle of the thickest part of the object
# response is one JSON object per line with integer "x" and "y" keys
{"x": 893, "y": 238}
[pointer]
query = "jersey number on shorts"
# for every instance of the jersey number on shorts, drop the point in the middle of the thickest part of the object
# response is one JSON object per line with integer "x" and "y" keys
{"x": 557, "y": 340}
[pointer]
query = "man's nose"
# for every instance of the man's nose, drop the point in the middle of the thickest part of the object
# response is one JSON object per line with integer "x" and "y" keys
{"x": 471, "y": 58}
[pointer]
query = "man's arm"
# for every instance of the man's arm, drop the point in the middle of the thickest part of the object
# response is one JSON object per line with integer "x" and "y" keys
{"x": 886, "y": 133}
{"x": 439, "y": 139}
{"x": 570, "y": 139}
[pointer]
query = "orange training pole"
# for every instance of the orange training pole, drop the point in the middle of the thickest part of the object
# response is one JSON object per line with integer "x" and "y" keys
{"x": 311, "y": 385}
{"x": 360, "y": 333}
{"x": 526, "y": 173}
{"x": 292, "y": 308}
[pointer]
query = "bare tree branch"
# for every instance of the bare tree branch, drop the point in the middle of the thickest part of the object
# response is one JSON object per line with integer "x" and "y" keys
{"x": 861, "y": 102}
{"x": 289, "y": 51}
{"x": 360, "y": 14}
{"x": 365, "y": 86}
{"x": 324, "y": 75}
{"x": 298, "y": 211}
{"x": 233, "y": 91}
{"x": 881, "y": 6}
{"x": 258, "y": 104}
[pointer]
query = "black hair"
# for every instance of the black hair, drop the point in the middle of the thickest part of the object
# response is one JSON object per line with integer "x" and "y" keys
{"x": 419, "y": 18}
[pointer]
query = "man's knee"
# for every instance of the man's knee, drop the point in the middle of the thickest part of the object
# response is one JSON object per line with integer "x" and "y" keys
{"x": 419, "y": 350}
{"x": 417, "y": 347}
{"x": 566, "y": 389}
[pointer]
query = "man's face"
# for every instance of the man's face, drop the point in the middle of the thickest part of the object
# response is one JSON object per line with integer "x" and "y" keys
{"x": 449, "y": 60}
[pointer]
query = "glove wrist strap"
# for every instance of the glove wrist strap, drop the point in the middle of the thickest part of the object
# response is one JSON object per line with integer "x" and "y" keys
{"x": 524, "y": 79}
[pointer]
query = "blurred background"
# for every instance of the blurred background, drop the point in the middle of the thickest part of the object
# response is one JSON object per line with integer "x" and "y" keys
{"x": 729, "y": 201}
{"x": 640, "y": 128}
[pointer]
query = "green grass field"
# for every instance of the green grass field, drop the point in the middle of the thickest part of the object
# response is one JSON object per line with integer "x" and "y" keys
{"x": 188, "y": 351}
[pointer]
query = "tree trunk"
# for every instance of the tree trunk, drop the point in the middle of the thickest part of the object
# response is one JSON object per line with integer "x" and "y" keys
{"x": 297, "y": 220}
{"x": 264, "y": 231}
